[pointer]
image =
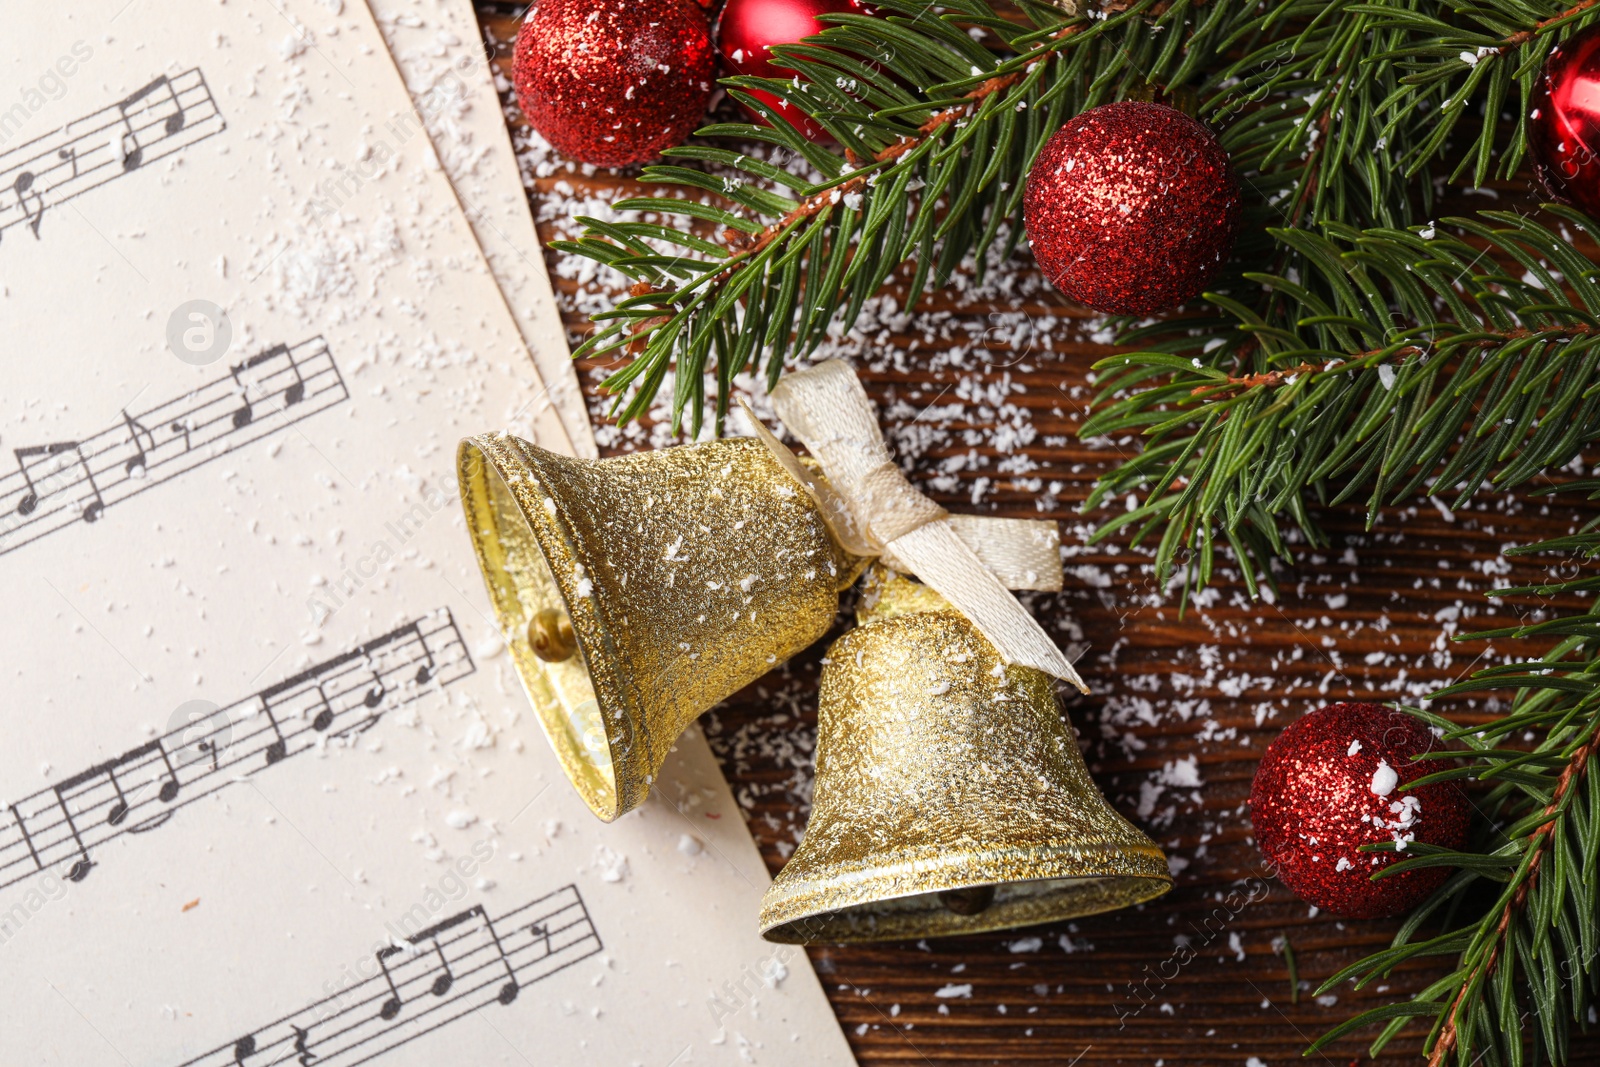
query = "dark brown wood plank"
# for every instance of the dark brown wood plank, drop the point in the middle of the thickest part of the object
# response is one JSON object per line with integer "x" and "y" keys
{"x": 1362, "y": 618}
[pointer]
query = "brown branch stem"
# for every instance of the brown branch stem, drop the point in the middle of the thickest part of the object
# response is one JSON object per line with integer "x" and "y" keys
{"x": 1400, "y": 355}
{"x": 1538, "y": 842}
{"x": 1522, "y": 37}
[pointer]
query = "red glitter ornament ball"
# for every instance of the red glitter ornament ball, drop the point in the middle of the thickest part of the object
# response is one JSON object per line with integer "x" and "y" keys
{"x": 1131, "y": 208}
{"x": 613, "y": 82}
{"x": 1564, "y": 124}
{"x": 746, "y": 29}
{"x": 1331, "y": 783}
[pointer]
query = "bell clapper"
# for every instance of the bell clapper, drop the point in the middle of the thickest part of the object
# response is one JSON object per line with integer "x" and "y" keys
{"x": 969, "y": 901}
{"x": 550, "y": 634}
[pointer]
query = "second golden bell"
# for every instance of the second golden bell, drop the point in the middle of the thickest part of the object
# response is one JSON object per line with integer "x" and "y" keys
{"x": 950, "y": 796}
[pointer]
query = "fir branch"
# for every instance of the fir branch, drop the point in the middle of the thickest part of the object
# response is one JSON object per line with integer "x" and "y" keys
{"x": 743, "y": 241}
{"x": 1539, "y": 846}
{"x": 1402, "y": 363}
{"x": 935, "y": 131}
{"x": 935, "y": 134}
{"x": 1456, "y": 61}
{"x": 1525, "y": 964}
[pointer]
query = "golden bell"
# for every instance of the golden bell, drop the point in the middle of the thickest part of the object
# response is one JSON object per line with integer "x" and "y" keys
{"x": 635, "y": 593}
{"x": 950, "y": 797}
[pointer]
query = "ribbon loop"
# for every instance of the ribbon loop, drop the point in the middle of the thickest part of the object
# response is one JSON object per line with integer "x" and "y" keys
{"x": 875, "y": 511}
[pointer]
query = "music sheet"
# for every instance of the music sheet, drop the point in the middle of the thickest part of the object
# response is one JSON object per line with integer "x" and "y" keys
{"x": 441, "y": 56}
{"x": 268, "y": 790}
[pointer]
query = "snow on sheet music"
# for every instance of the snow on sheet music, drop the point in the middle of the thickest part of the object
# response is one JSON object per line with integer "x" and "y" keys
{"x": 141, "y": 789}
{"x": 270, "y": 790}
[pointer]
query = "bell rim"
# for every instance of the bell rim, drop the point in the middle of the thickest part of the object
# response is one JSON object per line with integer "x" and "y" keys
{"x": 788, "y": 903}
{"x": 630, "y": 784}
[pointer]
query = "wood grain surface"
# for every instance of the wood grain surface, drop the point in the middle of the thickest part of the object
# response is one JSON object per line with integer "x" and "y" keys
{"x": 1368, "y": 617}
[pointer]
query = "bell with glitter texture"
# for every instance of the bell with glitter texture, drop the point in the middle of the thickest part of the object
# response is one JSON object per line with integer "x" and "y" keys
{"x": 635, "y": 593}
{"x": 950, "y": 797}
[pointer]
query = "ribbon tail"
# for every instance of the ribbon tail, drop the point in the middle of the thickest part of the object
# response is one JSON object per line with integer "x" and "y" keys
{"x": 936, "y": 555}
{"x": 1022, "y": 553}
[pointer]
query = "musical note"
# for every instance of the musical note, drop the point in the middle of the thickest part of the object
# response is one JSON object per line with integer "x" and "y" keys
{"x": 30, "y": 499}
{"x": 425, "y": 671}
{"x": 244, "y": 1047}
{"x": 140, "y": 460}
{"x": 390, "y": 1007}
{"x": 541, "y": 932}
{"x": 295, "y": 392}
{"x": 374, "y": 695}
{"x": 319, "y": 722}
{"x": 21, "y": 187}
{"x": 213, "y": 749}
{"x": 131, "y": 150}
{"x": 117, "y": 813}
{"x": 183, "y": 426}
{"x": 278, "y": 747}
{"x": 167, "y": 793}
{"x": 245, "y": 413}
{"x": 324, "y": 718}
{"x": 80, "y": 866}
{"x": 169, "y": 788}
{"x": 119, "y": 810}
{"x": 508, "y": 992}
{"x": 446, "y": 978}
{"x": 92, "y": 511}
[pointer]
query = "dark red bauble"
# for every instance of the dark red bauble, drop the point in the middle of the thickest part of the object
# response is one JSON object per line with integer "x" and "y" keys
{"x": 746, "y": 29}
{"x": 1331, "y": 783}
{"x": 1131, "y": 208}
{"x": 1564, "y": 122}
{"x": 613, "y": 82}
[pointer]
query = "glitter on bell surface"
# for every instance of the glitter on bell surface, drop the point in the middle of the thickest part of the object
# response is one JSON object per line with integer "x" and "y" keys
{"x": 1564, "y": 122}
{"x": 613, "y": 82}
{"x": 746, "y": 29}
{"x": 1331, "y": 783}
{"x": 1131, "y": 208}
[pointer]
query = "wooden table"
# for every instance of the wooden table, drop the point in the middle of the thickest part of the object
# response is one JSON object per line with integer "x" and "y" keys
{"x": 1366, "y": 618}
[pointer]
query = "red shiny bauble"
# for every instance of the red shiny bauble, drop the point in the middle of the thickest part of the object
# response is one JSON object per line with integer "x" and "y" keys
{"x": 1329, "y": 784}
{"x": 613, "y": 82}
{"x": 1564, "y": 122}
{"x": 1131, "y": 208}
{"x": 746, "y": 29}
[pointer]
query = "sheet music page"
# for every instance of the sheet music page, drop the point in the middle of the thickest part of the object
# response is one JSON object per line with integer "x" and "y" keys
{"x": 441, "y": 55}
{"x": 268, "y": 789}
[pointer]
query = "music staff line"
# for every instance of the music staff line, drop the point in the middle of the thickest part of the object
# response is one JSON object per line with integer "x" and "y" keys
{"x": 59, "y": 483}
{"x": 144, "y": 787}
{"x": 164, "y": 116}
{"x": 451, "y": 969}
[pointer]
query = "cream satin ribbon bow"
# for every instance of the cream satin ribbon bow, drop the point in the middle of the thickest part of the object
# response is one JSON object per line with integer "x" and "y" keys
{"x": 874, "y": 511}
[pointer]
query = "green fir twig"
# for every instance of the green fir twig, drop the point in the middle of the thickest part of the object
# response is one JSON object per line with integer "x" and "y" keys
{"x": 1525, "y": 973}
